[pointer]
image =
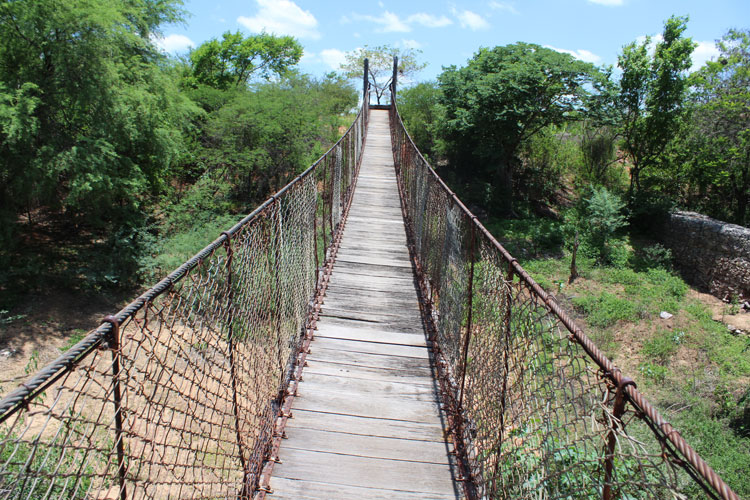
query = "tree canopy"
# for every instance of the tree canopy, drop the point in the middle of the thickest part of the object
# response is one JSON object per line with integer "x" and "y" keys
{"x": 651, "y": 97}
{"x": 719, "y": 139}
{"x": 89, "y": 121}
{"x": 498, "y": 101}
{"x": 235, "y": 59}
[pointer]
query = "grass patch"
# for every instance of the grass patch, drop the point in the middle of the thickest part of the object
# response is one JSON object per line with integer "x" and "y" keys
{"x": 605, "y": 309}
{"x": 662, "y": 346}
{"x": 77, "y": 335}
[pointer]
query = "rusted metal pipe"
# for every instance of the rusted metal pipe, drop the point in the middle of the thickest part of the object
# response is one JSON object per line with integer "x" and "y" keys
{"x": 114, "y": 347}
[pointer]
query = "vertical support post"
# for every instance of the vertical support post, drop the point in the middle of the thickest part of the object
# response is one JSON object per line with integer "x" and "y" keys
{"x": 394, "y": 82}
{"x": 323, "y": 211}
{"x": 470, "y": 301}
{"x": 277, "y": 280}
{"x": 365, "y": 100}
{"x": 617, "y": 412}
{"x": 246, "y": 486}
{"x": 506, "y": 366}
{"x": 114, "y": 346}
{"x": 315, "y": 241}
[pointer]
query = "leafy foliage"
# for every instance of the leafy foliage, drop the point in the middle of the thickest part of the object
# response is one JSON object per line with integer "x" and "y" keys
{"x": 235, "y": 60}
{"x": 719, "y": 138}
{"x": 501, "y": 99}
{"x": 652, "y": 90}
{"x": 90, "y": 122}
{"x": 418, "y": 107}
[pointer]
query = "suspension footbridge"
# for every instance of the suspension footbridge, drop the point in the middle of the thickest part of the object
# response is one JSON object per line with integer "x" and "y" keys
{"x": 358, "y": 335}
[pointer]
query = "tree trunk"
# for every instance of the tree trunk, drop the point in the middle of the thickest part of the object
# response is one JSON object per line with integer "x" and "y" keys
{"x": 573, "y": 269}
{"x": 502, "y": 183}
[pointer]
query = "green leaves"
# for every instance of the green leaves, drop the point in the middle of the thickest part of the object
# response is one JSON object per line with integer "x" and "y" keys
{"x": 652, "y": 91}
{"x": 501, "y": 99}
{"x": 235, "y": 60}
{"x": 719, "y": 132}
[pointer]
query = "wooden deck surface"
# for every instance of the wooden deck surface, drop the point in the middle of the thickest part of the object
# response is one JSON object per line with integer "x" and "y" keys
{"x": 366, "y": 423}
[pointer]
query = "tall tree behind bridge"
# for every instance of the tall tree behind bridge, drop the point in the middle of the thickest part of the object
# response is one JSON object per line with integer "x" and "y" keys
{"x": 652, "y": 95}
{"x": 90, "y": 119}
{"x": 502, "y": 98}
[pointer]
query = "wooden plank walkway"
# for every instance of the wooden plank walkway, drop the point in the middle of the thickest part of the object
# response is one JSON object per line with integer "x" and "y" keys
{"x": 366, "y": 423}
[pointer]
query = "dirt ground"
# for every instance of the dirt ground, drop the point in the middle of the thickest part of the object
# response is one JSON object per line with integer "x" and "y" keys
{"x": 44, "y": 324}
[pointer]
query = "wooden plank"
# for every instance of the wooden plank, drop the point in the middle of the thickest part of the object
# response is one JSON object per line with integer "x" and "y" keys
{"x": 419, "y": 375}
{"x": 367, "y": 446}
{"x": 350, "y": 274}
{"x": 375, "y": 270}
{"x": 312, "y": 490}
{"x": 364, "y": 472}
{"x": 387, "y": 290}
{"x": 340, "y": 318}
{"x": 367, "y": 426}
{"x": 343, "y": 331}
{"x": 374, "y": 260}
{"x": 378, "y": 348}
{"x": 372, "y": 304}
{"x": 402, "y": 393}
{"x": 370, "y": 405}
{"x": 375, "y": 317}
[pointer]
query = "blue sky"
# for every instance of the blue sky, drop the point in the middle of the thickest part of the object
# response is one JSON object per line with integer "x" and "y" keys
{"x": 450, "y": 32}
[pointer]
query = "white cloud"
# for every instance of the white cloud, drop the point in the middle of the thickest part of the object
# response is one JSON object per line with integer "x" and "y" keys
{"x": 333, "y": 57}
{"x": 392, "y": 23}
{"x": 388, "y": 21}
{"x": 282, "y": 17}
{"x": 471, "y": 20}
{"x": 410, "y": 44}
{"x": 609, "y": 3}
{"x": 508, "y": 7}
{"x": 705, "y": 51}
{"x": 428, "y": 20}
{"x": 173, "y": 44}
{"x": 582, "y": 54}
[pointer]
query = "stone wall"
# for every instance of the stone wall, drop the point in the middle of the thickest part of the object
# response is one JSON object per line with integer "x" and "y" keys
{"x": 711, "y": 254}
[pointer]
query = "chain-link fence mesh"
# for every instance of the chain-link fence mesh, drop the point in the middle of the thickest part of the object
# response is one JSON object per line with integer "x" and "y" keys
{"x": 176, "y": 395}
{"x": 537, "y": 411}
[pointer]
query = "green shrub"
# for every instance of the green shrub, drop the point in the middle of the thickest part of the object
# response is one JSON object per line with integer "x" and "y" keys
{"x": 655, "y": 373}
{"x": 606, "y": 309}
{"x": 660, "y": 347}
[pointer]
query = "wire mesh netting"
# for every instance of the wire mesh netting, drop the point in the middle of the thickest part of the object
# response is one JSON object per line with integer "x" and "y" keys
{"x": 176, "y": 395}
{"x": 537, "y": 411}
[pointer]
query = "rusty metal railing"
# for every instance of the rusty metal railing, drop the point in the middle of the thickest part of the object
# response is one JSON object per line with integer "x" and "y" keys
{"x": 536, "y": 409}
{"x": 181, "y": 394}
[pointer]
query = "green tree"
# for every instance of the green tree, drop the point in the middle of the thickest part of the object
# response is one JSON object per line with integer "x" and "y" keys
{"x": 719, "y": 140}
{"x": 235, "y": 60}
{"x": 90, "y": 119}
{"x": 503, "y": 97}
{"x": 380, "y": 61}
{"x": 251, "y": 140}
{"x": 652, "y": 95}
{"x": 418, "y": 107}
